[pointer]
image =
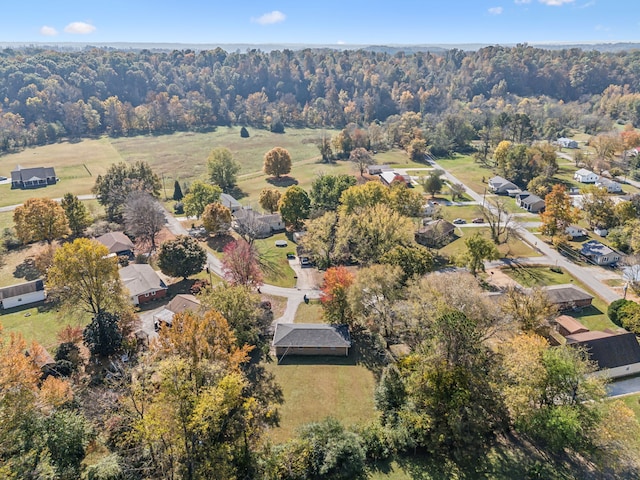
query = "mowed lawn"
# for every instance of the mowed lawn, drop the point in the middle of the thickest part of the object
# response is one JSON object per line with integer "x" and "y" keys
{"x": 468, "y": 171}
{"x": 309, "y": 313}
{"x": 319, "y": 387}
{"x": 513, "y": 248}
{"x": 39, "y": 324}
{"x": 76, "y": 164}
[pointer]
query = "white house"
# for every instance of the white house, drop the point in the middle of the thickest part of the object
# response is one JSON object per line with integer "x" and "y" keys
{"x": 599, "y": 253}
{"x": 567, "y": 143}
{"x": 585, "y": 176}
{"x": 615, "y": 354}
{"x": 377, "y": 169}
{"x": 611, "y": 185}
{"x": 575, "y": 231}
{"x": 430, "y": 208}
{"x": 499, "y": 184}
{"x": 22, "y": 294}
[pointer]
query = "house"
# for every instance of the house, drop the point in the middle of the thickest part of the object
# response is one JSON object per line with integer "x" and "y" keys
{"x": 585, "y": 176}
{"x": 611, "y": 185}
{"x": 530, "y": 202}
{"x": 180, "y": 303}
{"x": 118, "y": 243}
{"x": 501, "y": 185}
{"x": 26, "y": 178}
{"x": 599, "y": 253}
{"x": 230, "y": 202}
{"x": 143, "y": 283}
{"x": 42, "y": 359}
{"x": 567, "y": 143}
{"x": 575, "y": 231}
{"x": 568, "y": 297}
{"x": 436, "y": 233}
{"x": 615, "y": 354}
{"x": 311, "y": 339}
{"x": 377, "y": 169}
{"x": 567, "y": 325}
{"x": 388, "y": 177}
{"x": 430, "y": 208}
{"x": 22, "y": 294}
{"x": 261, "y": 225}
{"x": 601, "y": 231}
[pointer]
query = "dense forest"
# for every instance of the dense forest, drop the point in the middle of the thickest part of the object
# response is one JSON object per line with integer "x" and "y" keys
{"x": 48, "y": 95}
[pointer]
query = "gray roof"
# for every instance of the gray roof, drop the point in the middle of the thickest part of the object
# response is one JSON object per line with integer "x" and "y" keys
{"x": 38, "y": 173}
{"x": 437, "y": 227}
{"x": 610, "y": 351}
{"x": 566, "y": 293}
{"x": 21, "y": 289}
{"x": 311, "y": 335}
{"x": 229, "y": 202}
{"x": 498, "y": 181}
{"x": 583, "y": 172}
{"x": 140, "y": 279}
{"x": 116, "y": 242}
{"x": 183, "y": 302}
{"x": 531, "y": 199}
{"x": 594, "y": 248}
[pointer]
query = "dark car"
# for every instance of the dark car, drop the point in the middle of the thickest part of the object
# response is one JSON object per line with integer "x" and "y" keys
{"x": 478, "y": 220}
{"x": 305, "y": 262}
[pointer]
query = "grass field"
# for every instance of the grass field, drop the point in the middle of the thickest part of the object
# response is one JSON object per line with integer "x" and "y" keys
{"x": 77, "y": 165}
{"x": 309, "y": 313}
{"x": 276, "y": 267}
{"x": 469, "y": 172}
{"x": 513, "y": 248}
{"x": 318, "y": 387}
{"x": 37, "y": 323}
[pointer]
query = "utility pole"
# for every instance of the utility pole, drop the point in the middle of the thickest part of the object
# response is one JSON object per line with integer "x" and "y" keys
{"x": 164, "y": 187}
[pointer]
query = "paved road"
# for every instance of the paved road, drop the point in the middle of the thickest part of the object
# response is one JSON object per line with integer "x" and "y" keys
{"x": 550, "y": 253}
{"x": 295, "y": 296}
{"x": 624, "y": 387}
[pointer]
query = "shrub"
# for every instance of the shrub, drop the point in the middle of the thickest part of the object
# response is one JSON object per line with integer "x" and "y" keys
{"x": 244, "y": 133}
{"x": 613, "y": 310}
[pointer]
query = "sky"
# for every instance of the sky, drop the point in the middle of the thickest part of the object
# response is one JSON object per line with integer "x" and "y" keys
{"x": 359, "y": 22}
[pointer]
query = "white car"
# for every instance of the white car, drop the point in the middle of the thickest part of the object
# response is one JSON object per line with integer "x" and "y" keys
{"x": 459, "y": 221}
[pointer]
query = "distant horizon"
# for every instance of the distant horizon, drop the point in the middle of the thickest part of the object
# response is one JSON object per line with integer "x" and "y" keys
{"x": 333, "y": 22}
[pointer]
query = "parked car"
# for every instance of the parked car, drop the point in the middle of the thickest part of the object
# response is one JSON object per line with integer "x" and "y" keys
{"x": 459, "y": 221}
{"x": 478, "y": 220}
{"x": 305, "y": 262}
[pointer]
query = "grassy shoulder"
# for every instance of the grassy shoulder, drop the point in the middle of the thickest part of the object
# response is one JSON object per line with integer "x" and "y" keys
{"x": 514, "y": 247}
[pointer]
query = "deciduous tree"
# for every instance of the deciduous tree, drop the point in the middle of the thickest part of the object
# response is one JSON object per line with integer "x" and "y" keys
{"x": 241, "y": 265}
{"x": 294, "y": 206}
{"x": 500, "y": 221}
{"x": 77, "y": 214}
{"x": 359, "y": 197}
{"x": 144, "y": 217}
{"x": 414, "y": 260}
{"x": 479, "y": 249}
{"x": 335, "y": 304}
{"x": 432, "y": 183}
{"x": 216, "y": 218}
{"x": 84, "y": 277}
{"x": 404, "y": 200}
{"x": 113, "y": 188}
{"x": 269, "y": 199}
{"x": 200, "y": 195}
{"x": 559, "y": 212}
{"x": 598, "y": 207}
{"x": 223, "y": 169}
{"x": 361, "y": 158}
{"x": 320, "y": 239}
{"x": 181, "y": 257}
{"x": 40, "y": 219}
{"x": 277, "y": 162}
{"x": 326, "y": 190}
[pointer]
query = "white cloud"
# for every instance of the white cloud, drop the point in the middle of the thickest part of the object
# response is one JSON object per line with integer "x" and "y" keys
{"x": 270, "y": 18}
{"x": 341, "y": 42}
{"x": 556, "y": 3}
{"x": 80, "y": 28}
{"x": 587, "y": 5}
{"x": 520, "y": 2}
{"x": 495, "y": 10}
{"x": 48, "y": 31}
{"x": 602, "y": 28}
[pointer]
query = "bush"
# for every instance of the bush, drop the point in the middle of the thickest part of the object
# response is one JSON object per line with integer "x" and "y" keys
{"x": 614, "y": 307}
{"x": 178, "y": 208}
{"x": 10, "y": 240}
{"x": 277, "y": 127}
{"x": 244, "y": 133}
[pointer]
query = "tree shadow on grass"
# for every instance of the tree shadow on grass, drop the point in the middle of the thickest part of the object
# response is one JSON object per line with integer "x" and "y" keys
{"x": 27, "y": 270}
{"x": 285, "y": 181}
{"x": 218, "y": 242}
{"x": 237, "y": 193}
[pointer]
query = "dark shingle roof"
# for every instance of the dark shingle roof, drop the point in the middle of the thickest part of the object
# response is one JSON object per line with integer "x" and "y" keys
{"x": 594, "y": 248}
{"x": 23, "y": 174}
{"x": 311, "y": 335}
{"x": 21, "y": 289}
{"x": 611, "y": 351}
{"x": 566, "y": 293}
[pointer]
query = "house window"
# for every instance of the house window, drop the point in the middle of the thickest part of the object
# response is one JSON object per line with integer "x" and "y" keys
{"x": 146, "y": 295}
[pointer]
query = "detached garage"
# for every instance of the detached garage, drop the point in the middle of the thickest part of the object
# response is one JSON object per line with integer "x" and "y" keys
{"x": 22, "y": 294}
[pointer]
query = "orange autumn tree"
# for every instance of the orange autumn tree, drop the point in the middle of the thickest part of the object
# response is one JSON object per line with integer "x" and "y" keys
{"x": 559, "y": 212}
{"x": 337, "y": 281}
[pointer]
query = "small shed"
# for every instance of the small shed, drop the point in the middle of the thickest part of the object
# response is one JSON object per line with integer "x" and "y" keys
{"x": 22, "y": 294}
{"x": 575, "y": 231}
{"x": 311, "y": 339}
{"x": 567, "y": 143}
{"x": 230, "y": 202}
{"x": 377, "y": 169}
{"x": 569, "y": 326}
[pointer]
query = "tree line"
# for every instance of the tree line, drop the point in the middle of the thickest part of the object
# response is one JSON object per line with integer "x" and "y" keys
{"x": 48, "y": 95}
